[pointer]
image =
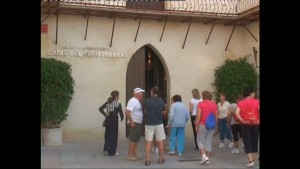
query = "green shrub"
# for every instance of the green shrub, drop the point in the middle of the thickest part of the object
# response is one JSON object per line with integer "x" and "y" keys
{"x": 57, "y": 88}
{"x": 233, "y": 76}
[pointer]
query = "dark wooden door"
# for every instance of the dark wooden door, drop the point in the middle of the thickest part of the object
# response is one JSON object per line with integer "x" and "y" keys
{"x": 135, "y": 77}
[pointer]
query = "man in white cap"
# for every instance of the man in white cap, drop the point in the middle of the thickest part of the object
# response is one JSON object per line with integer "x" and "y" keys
{"x": 134, "y": 116}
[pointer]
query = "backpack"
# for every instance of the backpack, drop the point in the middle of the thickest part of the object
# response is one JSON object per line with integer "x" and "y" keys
{"x": 210, "y": 122}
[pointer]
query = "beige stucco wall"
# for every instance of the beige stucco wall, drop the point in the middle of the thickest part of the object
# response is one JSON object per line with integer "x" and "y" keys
{"x": 188, "y": 68}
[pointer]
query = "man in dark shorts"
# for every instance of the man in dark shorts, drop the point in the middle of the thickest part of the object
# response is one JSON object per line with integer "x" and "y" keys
{"x": 134, "y": 116}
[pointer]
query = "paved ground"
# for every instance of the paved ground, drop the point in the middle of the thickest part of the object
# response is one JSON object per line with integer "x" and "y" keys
{"x": 90, "y": 155}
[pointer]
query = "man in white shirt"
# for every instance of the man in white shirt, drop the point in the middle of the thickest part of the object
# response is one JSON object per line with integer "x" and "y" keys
{"x": 134, "y": 116}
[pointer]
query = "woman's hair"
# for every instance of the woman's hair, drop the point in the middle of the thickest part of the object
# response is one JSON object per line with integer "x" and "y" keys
{"x": 176, "y": 98}
{"x": 206, "y": 95}
{"x": 222, "y": 94}
{"x": 247, "y": 91}
{"x": 196, "y": 94}
{"x": 113, "y": 95}
{"x": 110, "y": 99}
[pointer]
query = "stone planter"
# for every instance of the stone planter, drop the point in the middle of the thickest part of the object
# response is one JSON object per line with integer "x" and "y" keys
{"x": 51, "y": 137}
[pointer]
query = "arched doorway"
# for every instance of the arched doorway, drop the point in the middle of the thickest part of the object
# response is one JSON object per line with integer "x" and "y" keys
{"x": 146, "y": 69}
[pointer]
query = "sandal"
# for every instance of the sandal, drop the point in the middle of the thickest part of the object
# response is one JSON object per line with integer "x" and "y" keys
{"x": 161, "y": 161}
{"x": 147, "y": 163}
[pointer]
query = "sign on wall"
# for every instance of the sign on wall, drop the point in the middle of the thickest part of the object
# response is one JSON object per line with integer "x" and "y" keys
{"x": 90, "y": 52}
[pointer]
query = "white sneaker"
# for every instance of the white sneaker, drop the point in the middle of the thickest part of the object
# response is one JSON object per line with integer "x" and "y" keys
{"x": 204, "y": 159}
{"x": 221, "y": 145}
{"x": 230, "y": 145}
{"x": 207, "y": 162}
{"x": 156, "y": 150}
{"x": 117, "y": 153}
{"x": 235, "y": 151}
{"x": 250, "y": 164}
{"x": 179, "y": 154}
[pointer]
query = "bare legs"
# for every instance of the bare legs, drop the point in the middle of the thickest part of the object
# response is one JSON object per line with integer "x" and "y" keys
{"x": 160, "y": 145}
{"x": 132, "y": 152}
{"x": 147, "y": 150}
{"x": 161, "y": 149}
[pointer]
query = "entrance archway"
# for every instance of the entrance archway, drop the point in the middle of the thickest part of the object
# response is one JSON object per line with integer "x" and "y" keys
{"x": 146, "y": 69}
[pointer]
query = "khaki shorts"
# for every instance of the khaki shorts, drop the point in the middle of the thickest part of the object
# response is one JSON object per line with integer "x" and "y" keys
{"x": 157, "y": 130}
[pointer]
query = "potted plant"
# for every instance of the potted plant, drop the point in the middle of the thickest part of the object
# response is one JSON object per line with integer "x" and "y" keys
{"x": 57, "y": 88}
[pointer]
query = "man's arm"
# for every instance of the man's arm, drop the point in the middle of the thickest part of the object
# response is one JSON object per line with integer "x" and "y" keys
{"x": 127, "y": 112}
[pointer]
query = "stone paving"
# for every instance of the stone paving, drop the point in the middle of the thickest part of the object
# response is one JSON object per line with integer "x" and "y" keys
{"x": 89, "y": 154}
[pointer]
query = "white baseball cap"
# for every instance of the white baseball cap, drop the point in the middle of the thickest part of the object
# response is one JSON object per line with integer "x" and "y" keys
{"x": 138, "y": 90}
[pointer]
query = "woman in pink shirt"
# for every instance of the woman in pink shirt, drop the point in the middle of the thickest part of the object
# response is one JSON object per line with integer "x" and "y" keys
{"x": 205, "y": 136}
{"x": 247, "y": 112}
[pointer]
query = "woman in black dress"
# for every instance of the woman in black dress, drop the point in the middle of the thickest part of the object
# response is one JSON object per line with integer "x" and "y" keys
{"x": 113, "y": 108}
